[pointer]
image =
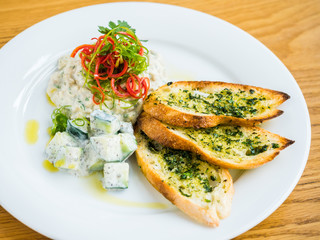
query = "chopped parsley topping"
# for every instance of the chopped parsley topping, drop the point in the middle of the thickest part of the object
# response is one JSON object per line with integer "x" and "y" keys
{"x": 275, "y": 145}
{"x": 192, "y": 173}
{"x": 240, "y": 104}
{"x": 231, "y": 142}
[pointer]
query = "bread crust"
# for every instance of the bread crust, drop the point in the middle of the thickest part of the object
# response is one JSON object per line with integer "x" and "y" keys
{"x": 159, "y": 132}
{"x": 176, "y": 117}
{"x": 210, "y": 217}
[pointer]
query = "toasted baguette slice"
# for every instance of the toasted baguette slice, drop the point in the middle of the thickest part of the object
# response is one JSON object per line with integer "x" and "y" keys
{"x": 237, "y": 147}
{"x": 203, "y": 104}
{"x": 201, "y": 190}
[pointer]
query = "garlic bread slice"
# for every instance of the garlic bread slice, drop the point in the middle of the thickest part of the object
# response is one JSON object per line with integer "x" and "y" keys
{"x": 230, "y": 146}
{"x": 207, "y": 104}
{"x": 201, "y": 190}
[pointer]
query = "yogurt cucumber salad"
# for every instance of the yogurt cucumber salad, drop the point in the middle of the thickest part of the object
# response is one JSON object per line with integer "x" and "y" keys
{"x": 98, "y": 91}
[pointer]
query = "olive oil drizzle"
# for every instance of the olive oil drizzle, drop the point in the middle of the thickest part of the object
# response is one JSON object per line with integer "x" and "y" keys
{"x": 103, "y": 194}
{"x": 31, "y": 131}
{"x": 49, "y": 166}
{"x": 50, "y": 101}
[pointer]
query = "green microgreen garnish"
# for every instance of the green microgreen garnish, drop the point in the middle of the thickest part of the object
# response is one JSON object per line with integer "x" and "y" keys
{"x": 59, "y": 119}
{"x": 112, "y": 64}
{"x": 80, "y": 121}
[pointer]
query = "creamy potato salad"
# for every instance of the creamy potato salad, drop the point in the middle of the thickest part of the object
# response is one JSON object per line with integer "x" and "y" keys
{"x": 67, "y": 87}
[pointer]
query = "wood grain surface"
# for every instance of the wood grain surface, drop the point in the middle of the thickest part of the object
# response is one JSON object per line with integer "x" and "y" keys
{"x": 290, "y": 29}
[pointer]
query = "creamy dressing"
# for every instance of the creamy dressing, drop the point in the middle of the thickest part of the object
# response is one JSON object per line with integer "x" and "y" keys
{"x": 66, "y": 87}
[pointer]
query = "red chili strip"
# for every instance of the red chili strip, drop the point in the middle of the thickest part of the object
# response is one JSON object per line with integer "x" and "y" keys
{"x": 83, "y": 46}
{"x": 127, "y": 34}
{"x": 146, "y": 86}
{"x": 110, "y": 40}
{"x": 122, "y": 89}
{"x": 83, "y": 60}
{"x": 94, "y": 96}
{"x": 133, "y": 86}
{"x": 114, "y": 88}
{"x": 96, "y": 69}
{"x": 134, "y": 89}
{"x": 110, "y": 67}
{"x": 98, "y": 43}
{"x": 98, "y": 83}
{"x": 123, "y": 71}
{"x": 141, "y": 51}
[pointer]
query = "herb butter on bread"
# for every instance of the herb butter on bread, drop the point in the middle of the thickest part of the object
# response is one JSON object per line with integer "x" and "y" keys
{"x": 201, "y": 190}
{"x": 207, "y": 104}
{"x": 230, "y": 146}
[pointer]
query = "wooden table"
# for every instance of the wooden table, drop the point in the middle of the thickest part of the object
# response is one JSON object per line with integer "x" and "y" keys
{"x": 291, "y": 29}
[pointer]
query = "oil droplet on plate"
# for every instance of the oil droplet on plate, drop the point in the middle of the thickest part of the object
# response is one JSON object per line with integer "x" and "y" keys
{"x": 50, "y": 101}
{"x": 49, "y": 133}
{"x": 181, "y": 75}
{"x": 49, "y": 166}
{"x": 31, "y": 131}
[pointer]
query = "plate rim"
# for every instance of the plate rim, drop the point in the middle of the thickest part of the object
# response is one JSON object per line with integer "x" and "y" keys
{"x": 308, "y": 126}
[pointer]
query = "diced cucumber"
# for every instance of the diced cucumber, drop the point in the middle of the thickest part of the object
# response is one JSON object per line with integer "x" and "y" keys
{"x": 116, "y": 176}
{"x": 68, "y": 158}
{"x": 107, "y": 147}
{"x": 126, "y": 127}
{"x": 97, "y": 166}
{"x": 92, "y": 162}
{"x": 60, "y": 140}
{"x": 78, "y": 128}
{"x": 102, "y": 123}
{"x": 128, "y": 145}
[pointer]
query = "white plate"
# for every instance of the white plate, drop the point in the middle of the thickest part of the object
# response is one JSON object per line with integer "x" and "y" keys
{"x": 195, "y": 46}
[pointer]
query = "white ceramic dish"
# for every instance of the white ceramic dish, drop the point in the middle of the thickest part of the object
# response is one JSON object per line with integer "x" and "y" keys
{"x": 195, "y": 46}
